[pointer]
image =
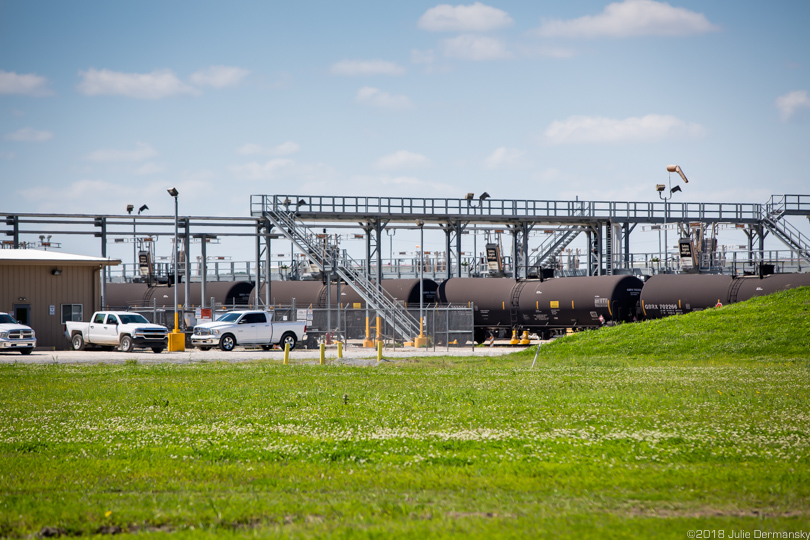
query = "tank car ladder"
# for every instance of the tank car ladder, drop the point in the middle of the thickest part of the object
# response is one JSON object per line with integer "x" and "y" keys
{"x": 387, "y": 307}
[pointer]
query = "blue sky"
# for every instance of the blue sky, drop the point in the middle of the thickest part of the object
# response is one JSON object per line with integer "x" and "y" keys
{"x": 104, "y": 104}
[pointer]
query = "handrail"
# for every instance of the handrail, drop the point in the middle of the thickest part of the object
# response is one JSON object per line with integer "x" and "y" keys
{"x": 438, "y": 209}
{"x": 378, "y": 298}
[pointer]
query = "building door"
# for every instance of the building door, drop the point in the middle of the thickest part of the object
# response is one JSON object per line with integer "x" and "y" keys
{"x": 22, "y": 312}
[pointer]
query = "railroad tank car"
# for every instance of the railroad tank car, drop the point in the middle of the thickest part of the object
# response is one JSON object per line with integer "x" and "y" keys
{"x": 674, "y": 294}
{"x": 313, "y": 293}
{"x": 579, "y": 302}
{"x": 542, "y": 306}
{"x": 128, "y": 295}
{"x": 752, "y": 286}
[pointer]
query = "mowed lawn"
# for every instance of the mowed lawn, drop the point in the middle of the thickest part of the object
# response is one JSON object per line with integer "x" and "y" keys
{"x": 586, "y": 444}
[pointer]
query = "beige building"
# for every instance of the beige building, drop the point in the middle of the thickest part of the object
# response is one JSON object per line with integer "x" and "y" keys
{"x": 44, "y": 289}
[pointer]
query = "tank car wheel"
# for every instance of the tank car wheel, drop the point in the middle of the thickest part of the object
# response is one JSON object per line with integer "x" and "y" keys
{"x": 288, "y": 339}
{"x": 26, "y": 351}
{"x": 77, "y": 342}
{"x": 157, "y": 350}
{"x": 267, "y": 347}
{"x": 204, "y": 348}
{"x": 126, "y": 344}
{"x": 227, "y": 342}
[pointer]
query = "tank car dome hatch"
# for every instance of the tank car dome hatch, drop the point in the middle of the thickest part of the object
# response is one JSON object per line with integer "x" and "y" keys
{"x": 674, "y": 294}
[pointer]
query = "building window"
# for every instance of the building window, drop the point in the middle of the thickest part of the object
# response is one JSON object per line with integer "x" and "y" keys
{"x": 71, "y": 312}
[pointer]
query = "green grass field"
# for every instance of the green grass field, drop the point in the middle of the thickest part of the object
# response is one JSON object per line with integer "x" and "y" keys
{"x": 700, "y": 422}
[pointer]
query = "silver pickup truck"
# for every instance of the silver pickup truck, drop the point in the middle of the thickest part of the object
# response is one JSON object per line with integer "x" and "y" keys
{"x": 247, "y": 328}
{"x": 122, "y": 328}
{"x": 15, "y": 336}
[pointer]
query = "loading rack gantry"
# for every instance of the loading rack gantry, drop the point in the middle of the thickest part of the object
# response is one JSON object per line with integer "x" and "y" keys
{"x": 607, "y": 224}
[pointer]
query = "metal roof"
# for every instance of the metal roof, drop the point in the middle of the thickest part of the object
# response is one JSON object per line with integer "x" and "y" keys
{"x": 35, "y": 256}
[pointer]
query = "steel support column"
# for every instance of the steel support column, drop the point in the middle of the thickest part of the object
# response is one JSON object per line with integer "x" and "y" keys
{"x": 268, "y": 269}
{"x": 187, "y": 264}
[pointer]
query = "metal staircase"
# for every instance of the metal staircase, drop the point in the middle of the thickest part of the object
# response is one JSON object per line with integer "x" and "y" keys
{"x": 554, "y": 245}
{"x": 784, "y": 231}
{"x": 330, "y": 258}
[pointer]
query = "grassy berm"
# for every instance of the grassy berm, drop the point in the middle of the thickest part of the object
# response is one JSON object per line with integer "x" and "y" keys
{"x": 653, "y": 430}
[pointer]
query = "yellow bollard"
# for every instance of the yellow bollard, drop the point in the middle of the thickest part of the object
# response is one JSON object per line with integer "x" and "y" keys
{"x": 323, "y": 353}
{"x": 286, "y": 354}
{"x": 379, "y": 330}
{"x": 340, "y": 349}
{"x": 379, "y": 351}
{"x": 177, "y": 339}
{"x": 525, "y": 339}
{"x": 367, "y": 342}
{"x": 421, "y": 340}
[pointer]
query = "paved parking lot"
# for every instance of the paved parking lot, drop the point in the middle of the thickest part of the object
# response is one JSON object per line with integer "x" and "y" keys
{"x": 351, "y": 355}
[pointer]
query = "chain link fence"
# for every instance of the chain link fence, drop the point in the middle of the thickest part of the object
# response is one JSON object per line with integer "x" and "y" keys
{"x": 445, "y": 326}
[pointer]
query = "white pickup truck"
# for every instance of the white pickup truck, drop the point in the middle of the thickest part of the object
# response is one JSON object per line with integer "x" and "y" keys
{"x": 247, "y": 328}
{"x": 122, "y": 328}
{"x": 15, "y": 336}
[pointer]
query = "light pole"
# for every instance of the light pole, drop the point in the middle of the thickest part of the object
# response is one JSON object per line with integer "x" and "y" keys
{"x": 660, "y": 188}
{"x": 175, "y": 343}
{"x": 421, "y": 341}
{"x": 130, "y": 208}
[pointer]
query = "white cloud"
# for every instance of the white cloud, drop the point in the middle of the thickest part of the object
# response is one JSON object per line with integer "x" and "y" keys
{"x": 422, "y": 57}
{"x": 402, "y": 160}
{"x": 142, "y": 152}
{"x": 504, "y": 157}
{"x": 377, "y": 98}
{"x": 366, "y": 67}
{"x": 631, "y": 18}
{"x": 284, "y": 169}
{"x": 95, "y": 195}
{"x": 26, "y": 84}
{"x": 29, "y": 135}
{"x": 155, "y": 85}
{"x": 219, "y": 76}
{"x": 283, "y": 149}
{"x": 398, "y": 186}
{"x": 149, "y": 168}
{"x": 791, "y": 103}
{"x": 545, "y": 51}
{"x": 598, "y": 129}
{"x": 473, "y": 47}
{"x": 474, "y": 18}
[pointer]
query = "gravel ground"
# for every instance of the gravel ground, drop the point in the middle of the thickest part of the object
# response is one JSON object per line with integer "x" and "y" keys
{"x": 351, "y": 355}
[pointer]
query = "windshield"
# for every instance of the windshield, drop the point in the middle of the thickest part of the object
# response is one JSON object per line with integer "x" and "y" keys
{"x": 133, "y": 319}
{"x": 5, "y": 318}
{"x": 229, "y": 317}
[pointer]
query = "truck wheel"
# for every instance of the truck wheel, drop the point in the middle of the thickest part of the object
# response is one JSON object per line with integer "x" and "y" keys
{"x": 126, "y": 344}
{"x": 227, "y": 342}
{"x": 77, "y": 342}
{"x": 288, "y": 338}
{"x": 157, "y": 350}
